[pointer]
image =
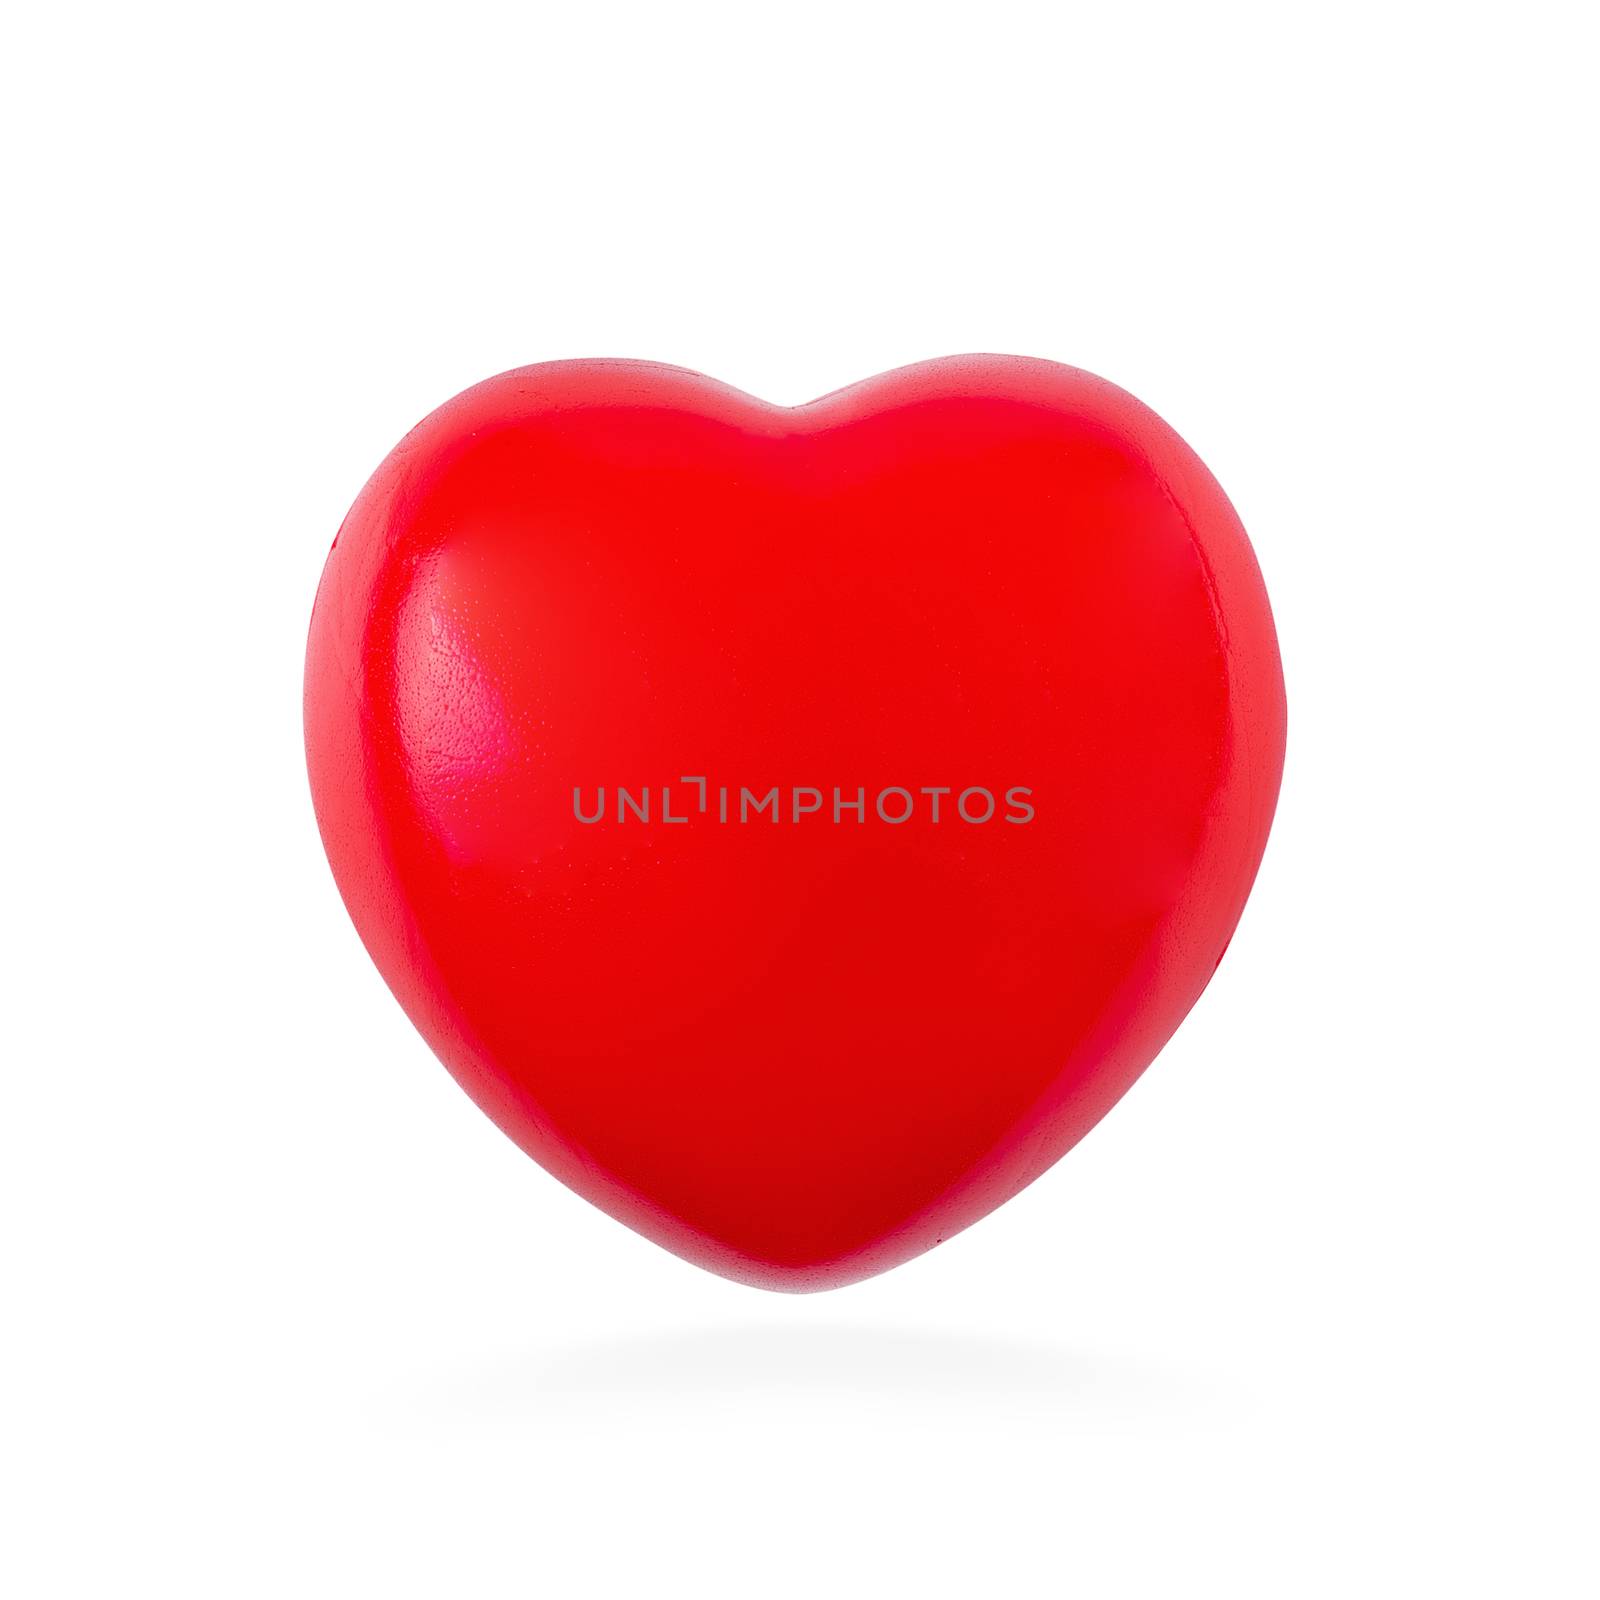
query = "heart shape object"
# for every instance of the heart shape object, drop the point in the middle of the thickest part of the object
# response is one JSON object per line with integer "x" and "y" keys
{"x": 795, "y": 827}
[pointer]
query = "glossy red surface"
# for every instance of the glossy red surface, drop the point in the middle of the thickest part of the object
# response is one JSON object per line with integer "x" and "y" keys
{"x": 796, "y": 1050}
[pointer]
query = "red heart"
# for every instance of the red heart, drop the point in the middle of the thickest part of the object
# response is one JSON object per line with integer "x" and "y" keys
{"x": 977, "y": 663}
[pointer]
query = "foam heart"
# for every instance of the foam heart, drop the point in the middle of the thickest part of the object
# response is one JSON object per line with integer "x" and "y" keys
{"x": 796, "y": 827}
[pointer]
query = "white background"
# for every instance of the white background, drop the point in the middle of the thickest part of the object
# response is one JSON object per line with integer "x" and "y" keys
{"x": 1310, "y": 1314}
